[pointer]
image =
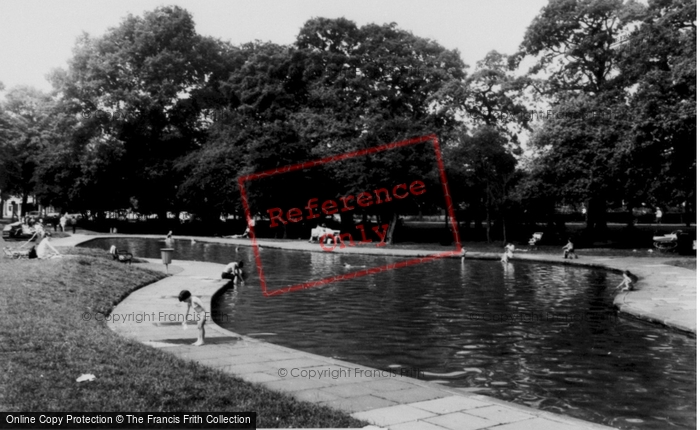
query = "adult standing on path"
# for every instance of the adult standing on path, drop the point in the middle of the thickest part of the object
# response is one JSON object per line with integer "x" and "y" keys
{"x": 63, "y": 221}
{"x": 659, "y": 215}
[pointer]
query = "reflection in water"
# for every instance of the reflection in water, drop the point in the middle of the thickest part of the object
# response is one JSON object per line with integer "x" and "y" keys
{"x": 323, "y": 264}
{"x": 540, "y": 335}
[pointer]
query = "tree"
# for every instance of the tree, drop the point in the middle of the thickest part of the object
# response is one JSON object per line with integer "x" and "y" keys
{"x": 488, "y": 168}
{"x": 27, "y": 130}
{"x": 659, "y": 63}
{"x": 145, "y": 85}
{"x": 492, "y": 96}
{"x": 253, "y": 133}
{"x": 369, "y": 86}
{"x": 574, "y": 45}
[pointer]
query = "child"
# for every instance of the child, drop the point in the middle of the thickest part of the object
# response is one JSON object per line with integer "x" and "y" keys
{"x": 233, "y": 271}
{"x": 510, "y": 248}
{"x": 569, "y": 250}
{"x": 504, "y": 257}
{"x": 200, "y": 315}
{"x": 45, "y": 250}
{"x": 626, "y": 282}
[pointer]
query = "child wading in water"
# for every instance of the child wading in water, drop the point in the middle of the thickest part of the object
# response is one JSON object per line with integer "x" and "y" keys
{"x": 199, "y": 313}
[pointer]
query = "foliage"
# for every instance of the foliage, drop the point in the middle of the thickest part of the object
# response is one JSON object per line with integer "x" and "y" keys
{"x": 659, "y": 61}
{"x": 155, "y": 117}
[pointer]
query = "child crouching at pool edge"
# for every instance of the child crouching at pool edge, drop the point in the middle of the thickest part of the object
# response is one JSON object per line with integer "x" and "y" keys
{"x": 627, "y": 283}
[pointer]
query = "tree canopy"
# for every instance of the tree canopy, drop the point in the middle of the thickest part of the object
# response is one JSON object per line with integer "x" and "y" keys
{"x": 155, "y": 117}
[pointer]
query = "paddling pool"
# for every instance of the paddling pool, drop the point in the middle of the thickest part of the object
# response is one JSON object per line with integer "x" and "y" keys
{"x": 542, "y": 335}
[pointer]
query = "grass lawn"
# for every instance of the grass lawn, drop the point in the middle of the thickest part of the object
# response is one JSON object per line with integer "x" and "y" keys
{"x": 45, "y": 345}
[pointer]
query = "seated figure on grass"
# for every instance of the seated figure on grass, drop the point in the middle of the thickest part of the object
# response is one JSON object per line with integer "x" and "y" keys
{"x": 45, "y": 250}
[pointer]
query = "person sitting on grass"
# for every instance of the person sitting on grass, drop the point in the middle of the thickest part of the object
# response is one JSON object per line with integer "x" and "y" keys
{"x": 199, "y": 314}
{"x": 627, "y": 283}
{"x": 234, "y": 272}
{"x": 45, "y": 250}
{"x": 569, "y": 250}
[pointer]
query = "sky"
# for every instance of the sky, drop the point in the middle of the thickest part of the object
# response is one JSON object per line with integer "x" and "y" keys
{"x": 37, "y": 36}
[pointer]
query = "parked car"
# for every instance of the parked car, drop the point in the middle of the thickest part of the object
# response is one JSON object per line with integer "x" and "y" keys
{"x": 17, "y": 231}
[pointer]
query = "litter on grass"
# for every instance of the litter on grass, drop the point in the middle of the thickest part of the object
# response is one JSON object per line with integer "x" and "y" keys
{"x": 86, "y": 377}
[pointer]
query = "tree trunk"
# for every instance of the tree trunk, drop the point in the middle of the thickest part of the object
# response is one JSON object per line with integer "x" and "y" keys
{"x": 389, "y": 239}
{"x": 488, "y": 225}
{"x": 488, "y": 219}
{"x": 347, "y": 223}
{"x": 503, "y": 222}
{"x": 596, "y": 225}
{"x": 589, "y": 216}
{"x": 25, "y": 199}
{"x": 630, "y": 216}
{"x": 688, "y": 213}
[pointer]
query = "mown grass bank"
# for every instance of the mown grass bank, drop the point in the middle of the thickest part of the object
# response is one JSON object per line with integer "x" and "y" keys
{"x": 46, "y": 343}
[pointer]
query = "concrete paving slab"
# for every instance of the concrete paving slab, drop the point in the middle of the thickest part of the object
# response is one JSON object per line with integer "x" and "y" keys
{"x": 389, "y": 385}
{"x": 500, "y": 414}
{"x": 461, "y": 421}
{"x": 536, "y": 424}
{"x": 349, "y": 390}
{"x": 315, "y": 396}
{"x": 412, "y": 395}
{"x": 358, "y": 404}
{"x": 290, "y": 385}
{"x": 416, "y": 425}
{"x": 393, "y": 415}
{"x": 450, "y": 404}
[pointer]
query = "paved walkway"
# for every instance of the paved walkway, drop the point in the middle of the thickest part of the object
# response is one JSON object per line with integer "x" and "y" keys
{"x": 385, "y": 399}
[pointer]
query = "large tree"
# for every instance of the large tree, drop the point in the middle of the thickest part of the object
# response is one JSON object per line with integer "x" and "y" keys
{"x": 27, "y": 128}
{"x": 659, "y": 63}
{"x": 482, "y": 161}
{"x": 145, "y": 85}
{"x": 368, "y": 86}
{"x": 575, "y": 46}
